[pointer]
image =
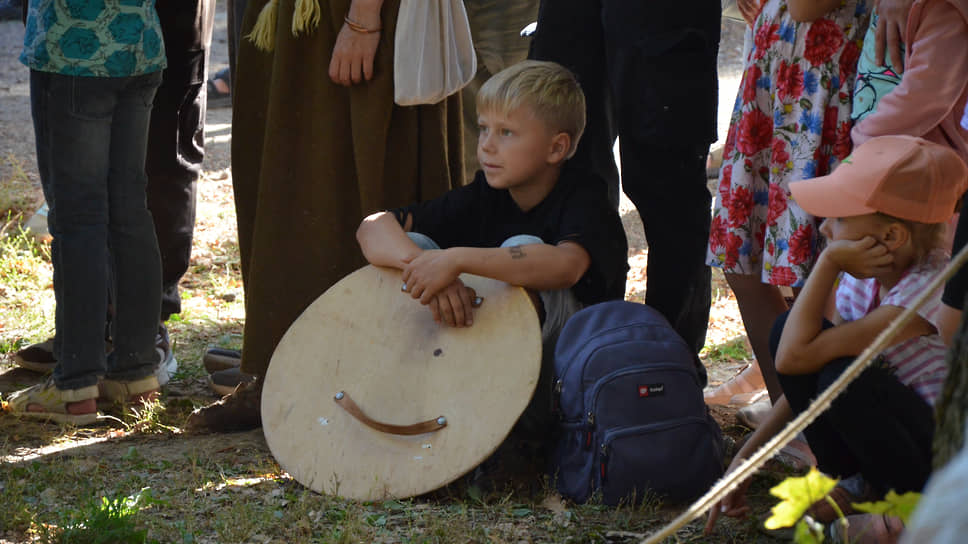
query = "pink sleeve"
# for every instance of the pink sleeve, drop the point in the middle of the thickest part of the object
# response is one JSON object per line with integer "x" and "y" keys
{"x": 910, "y": 288}
{"x": 933, "y": 82}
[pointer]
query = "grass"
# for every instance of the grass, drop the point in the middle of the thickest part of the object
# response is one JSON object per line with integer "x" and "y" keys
{"x": 108, "y": 521}
{"x": 735, "y": 349}
{"x": 138, "y": 478}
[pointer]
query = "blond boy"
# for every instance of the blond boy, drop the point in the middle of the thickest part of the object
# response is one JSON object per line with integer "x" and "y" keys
{"x": 526, "y": 218}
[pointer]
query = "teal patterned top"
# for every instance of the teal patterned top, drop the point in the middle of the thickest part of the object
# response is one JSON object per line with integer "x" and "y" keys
{"x": 95, "y": 38}
{"x": 873, "y": 81}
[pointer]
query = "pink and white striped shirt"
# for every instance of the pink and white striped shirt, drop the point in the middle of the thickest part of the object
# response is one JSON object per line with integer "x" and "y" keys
{"x": 918, "y": 363}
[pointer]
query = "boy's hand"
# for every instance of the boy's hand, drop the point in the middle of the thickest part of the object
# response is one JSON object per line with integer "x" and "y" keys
{"x": 429, "y": 273}
{"x": 454, "y": 305}
{"x": 862, "y": 258}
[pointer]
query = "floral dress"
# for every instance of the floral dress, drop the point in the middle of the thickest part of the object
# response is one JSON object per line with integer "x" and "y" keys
{"x": 791, "y": 122}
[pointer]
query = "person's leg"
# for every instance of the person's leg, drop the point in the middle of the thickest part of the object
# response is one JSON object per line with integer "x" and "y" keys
{"x": 78, "y": 117}
{"x": 422, "y": 240}
{"x": 176, "y": 139}
{"x": 570, "y": 33}
{"x": 134, "y": 249}
{"x": 832, "y": 454}
{"x": 73, "y": 164}
{"x": 887, "y": 427}
{"x": 673, "y": 202}
{"x": 760, "y": 305}
{"x": 554, "y": 308}
{"x": 665, "y": 125}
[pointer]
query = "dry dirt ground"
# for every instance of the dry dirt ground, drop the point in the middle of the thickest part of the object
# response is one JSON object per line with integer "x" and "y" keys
{"x": 228, "y": 488}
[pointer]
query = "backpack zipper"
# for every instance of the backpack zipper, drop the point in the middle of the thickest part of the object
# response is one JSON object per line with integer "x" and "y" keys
{"x": 612, "y": 436}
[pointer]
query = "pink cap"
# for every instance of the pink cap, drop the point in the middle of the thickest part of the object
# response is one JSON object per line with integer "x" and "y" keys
{"x": 902, "y": 176}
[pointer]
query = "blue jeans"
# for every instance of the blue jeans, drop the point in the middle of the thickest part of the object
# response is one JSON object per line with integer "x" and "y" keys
{"x": 91, "y": 142}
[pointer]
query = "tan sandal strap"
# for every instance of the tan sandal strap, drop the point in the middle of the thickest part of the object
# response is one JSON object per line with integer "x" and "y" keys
{"x": 116, "y": 390}
{"x": 78, "y": 395}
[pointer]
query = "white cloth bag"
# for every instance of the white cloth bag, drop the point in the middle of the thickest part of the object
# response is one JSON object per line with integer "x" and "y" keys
{"x": 434, "y": 55}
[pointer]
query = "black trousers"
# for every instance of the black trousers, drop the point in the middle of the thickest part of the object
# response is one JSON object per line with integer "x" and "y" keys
{"x": 648, "y": 70}
{"x": 176, "y": 138}
{"x": 878, "y": 427}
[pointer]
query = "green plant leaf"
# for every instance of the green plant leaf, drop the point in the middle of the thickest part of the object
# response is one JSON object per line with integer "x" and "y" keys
{"x": 901, "y": 506}
{"x": 797, "y": 494}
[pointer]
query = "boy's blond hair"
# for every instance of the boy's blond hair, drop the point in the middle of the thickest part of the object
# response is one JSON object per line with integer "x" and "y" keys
{"x": 548, "y": 89}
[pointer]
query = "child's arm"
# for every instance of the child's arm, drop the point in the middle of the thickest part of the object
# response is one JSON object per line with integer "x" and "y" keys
{"x": 384, "y": 242}
{"x": 534, "y": 266}
{"x": 804, "y": 346}
{"x": 934, "y": 78}
{"x": 734, "y": 504}
{"x": 809, "y": 10}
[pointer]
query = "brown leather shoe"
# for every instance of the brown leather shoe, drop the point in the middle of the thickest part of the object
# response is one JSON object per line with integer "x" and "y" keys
{"x": 239, "y": 411}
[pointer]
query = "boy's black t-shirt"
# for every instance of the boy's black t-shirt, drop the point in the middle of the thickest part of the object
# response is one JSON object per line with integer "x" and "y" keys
{"x": 576, "y": 210}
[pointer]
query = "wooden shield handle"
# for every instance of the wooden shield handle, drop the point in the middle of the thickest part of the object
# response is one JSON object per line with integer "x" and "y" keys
{"x": 343, "y": 399}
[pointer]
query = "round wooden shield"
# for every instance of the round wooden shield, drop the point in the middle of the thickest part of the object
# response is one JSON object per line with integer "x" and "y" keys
{"x": 368, "y": 398}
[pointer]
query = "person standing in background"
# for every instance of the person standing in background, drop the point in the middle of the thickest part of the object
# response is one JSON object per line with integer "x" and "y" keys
{"x": 648, "y": 70}
{"x": 94, "y": 70}
{"x": 318, "y": 143}
{"x": 176, "y": 140}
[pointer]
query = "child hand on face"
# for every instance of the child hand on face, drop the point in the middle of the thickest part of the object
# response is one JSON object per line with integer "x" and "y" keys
{"x": 863, "y": 258}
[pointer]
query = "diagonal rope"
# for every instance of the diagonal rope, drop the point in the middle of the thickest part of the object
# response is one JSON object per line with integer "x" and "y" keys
{"x": 819, "y": 405}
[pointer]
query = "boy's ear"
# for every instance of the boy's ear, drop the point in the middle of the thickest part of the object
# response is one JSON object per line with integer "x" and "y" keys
{"x": 895, "y": 235}
{"x": 560, "y": 146}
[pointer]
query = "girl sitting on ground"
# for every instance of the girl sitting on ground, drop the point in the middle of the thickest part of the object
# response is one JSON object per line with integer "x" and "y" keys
{"x": 884, "y": 246}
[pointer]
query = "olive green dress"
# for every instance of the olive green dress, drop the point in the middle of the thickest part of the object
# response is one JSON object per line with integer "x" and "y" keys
{"x": 311, "y": 158}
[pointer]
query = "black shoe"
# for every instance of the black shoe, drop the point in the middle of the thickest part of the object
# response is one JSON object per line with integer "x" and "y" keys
{"x": 216, "y": 359}
{"x": 224, "y": 382}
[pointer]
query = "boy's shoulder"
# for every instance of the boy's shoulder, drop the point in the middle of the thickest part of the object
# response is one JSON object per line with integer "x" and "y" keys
{"x": 581, "y": 188}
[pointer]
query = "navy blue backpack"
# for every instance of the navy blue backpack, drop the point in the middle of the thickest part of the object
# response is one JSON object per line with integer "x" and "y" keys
{"x": 633, "y": 419}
